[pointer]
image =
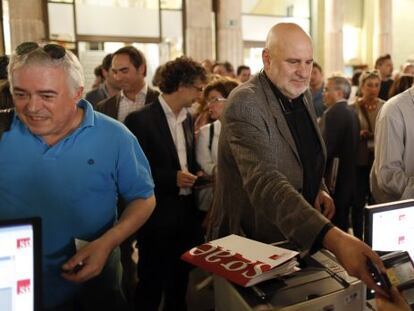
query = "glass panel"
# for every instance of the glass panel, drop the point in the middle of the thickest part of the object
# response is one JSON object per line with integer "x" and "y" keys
{"x": 61, "y": 1}
{"x": 142, "y": 4}
{"x": 171, "y": 4}
{"x": 61, "y": 22}
{"x": 172, "y": 34}
{"x": 292, "y": 8}
{"x": 6, "y": 27}
{"x": 255, "y": 28}
{"x": 253, "y": 59}
{"x": 99, "y": 17}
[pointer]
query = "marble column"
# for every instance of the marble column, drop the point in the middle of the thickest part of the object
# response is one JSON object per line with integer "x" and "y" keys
{"x": 383, "y": 28}
{"x": 229, "y": 36}
{"x": 199, "y": 30}
{"x": 27, "y": 21}
{"x": 334, "y": 20}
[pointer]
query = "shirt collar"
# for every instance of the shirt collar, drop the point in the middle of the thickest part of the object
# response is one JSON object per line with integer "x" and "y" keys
{"x": 169, "y": 113}
{"x": 88, "y": 114}
{"x": 142, "y": 92}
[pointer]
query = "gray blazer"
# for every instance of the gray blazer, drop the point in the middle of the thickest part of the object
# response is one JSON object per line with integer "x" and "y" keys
{"x": 259, "y": 172}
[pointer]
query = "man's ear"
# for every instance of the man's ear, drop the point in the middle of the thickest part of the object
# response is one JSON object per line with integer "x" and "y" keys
{"x": 143, "y": 70}
{"x": 78, "y": 94}
{"x": 266, "y": 57}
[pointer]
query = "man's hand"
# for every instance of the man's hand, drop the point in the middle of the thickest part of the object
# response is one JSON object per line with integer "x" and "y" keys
{"x": 353, "y": 255}
{"x": 325, "y": 204}
{"x": 396, "y": 303}
{"x": 87, "y": 263}
{"x": 185, "y": 179}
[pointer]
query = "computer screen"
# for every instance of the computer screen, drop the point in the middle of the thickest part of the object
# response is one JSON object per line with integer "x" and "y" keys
{"x": 390, "y": 226}
{"x": 20, "y": 252}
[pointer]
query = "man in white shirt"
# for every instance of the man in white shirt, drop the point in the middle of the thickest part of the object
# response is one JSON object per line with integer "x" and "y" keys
{"x": 166, "y": 134}
{"x": 392, "y": 174}
{"x": 129, "y": 70}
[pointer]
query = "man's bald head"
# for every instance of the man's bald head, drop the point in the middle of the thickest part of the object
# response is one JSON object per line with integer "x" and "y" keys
{"x": 287, "y": 58}
{"x": 281, "y": 33}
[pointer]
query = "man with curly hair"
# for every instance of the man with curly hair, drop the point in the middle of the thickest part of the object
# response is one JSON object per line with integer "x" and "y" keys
{"x": 165, "y": 132}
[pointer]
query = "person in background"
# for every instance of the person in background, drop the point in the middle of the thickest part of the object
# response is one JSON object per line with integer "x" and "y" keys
{"x": 340, "y": 130}
{"x": 69, "y": 165}
{"x": 400, "y": 84}
{"x": 215, "y": 95}
{"x": 271, "y": 159}
{"x": 407, "y": 68}
{"x": 224, "y": 69}
{"x": 208, "y": 66}
{"x": 385, "y": 67}
{"x": 156, "y": 78}
{"x": 166, "y": 134}
{"x": 219, "y": 69}
{"x": 6, "y": 100}
{"x": 243, "y": 73}
{"x": 392, "y": 175}
{"x": 230, "y": 70}
{"x": 354, "y": 86}
{"x": 129, "y": 69}
{"x": 200, "y": 109}
{"x": 108, "y": 88}
{"x": 316, "y": 86}
{"x": 367, "y": 108}
{"x": 99, "y": 77}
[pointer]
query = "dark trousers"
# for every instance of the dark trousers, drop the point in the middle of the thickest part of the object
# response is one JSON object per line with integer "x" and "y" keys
{"x": 172, "y": 229}
{"x": 362, "y": 197}
{"x": 103, "y": 293}
{"x": 341, "y": 217}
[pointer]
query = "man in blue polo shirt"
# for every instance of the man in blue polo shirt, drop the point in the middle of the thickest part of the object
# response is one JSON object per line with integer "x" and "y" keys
{"x": 64, "y": 162}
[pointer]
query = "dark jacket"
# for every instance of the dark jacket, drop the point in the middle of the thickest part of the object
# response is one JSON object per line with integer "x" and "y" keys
{"x": 110, "y": 105}
{"x": 340, "y": 130}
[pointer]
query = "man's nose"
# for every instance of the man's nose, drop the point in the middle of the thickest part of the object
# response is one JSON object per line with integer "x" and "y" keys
{"x": 302, "y": 70}
{"x": 33, "y": 103}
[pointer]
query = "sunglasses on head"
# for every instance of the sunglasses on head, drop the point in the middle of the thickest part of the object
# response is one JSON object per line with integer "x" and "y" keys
{"x": 53, "y": 50}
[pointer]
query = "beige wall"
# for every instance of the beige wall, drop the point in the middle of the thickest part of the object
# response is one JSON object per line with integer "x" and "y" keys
{"x": 403, "y": 32}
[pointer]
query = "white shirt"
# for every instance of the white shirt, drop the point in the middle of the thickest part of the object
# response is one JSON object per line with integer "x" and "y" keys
{"x": 207, "y": 158}
{"x": 126, "y": 106}
{"x": 392, "y": 174}
{"x": 175, "y": 124}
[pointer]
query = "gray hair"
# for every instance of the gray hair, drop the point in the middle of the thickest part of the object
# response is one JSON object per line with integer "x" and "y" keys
{"x": 69, "y": 62}
{"x": 342, "y": 84}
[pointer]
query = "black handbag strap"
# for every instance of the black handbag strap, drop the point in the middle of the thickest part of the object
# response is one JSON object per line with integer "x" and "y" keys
{"x": 6, "y": 117}
{"x": 210, "y": 141}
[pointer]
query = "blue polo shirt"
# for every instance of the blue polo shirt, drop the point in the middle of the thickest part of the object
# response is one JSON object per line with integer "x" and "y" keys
{"x": 73, "y": 186}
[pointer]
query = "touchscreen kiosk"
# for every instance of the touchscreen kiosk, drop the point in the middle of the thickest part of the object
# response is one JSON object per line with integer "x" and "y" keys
{"x": 390, "y": 226}
{"x": 20, "y": 265}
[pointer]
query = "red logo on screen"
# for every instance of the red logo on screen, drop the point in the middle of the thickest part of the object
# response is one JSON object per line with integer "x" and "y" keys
{"x": 23, "y": 287}
{"x": 23, "y": 243}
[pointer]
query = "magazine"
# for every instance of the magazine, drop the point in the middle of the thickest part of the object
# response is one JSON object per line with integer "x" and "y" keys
{"x": 243, "y": 261}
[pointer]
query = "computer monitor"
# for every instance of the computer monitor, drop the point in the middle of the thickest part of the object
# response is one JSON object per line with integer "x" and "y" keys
{"x": 20, "y": 266}
{"x": 390, "y": 226}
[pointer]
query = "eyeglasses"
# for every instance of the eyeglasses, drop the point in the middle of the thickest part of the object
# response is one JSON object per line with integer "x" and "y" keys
{"x": 198, "y": 88}
{"x": 216, "y": 100}
{"x": 53, "y": 50}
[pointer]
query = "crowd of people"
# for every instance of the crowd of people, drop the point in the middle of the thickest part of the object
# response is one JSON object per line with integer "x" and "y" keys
{"x": 204, "y": 152}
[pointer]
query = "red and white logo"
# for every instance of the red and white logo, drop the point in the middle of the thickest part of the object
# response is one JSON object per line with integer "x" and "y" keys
{"x": 23, "y": 243}
{"x": 23, "y": 287}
